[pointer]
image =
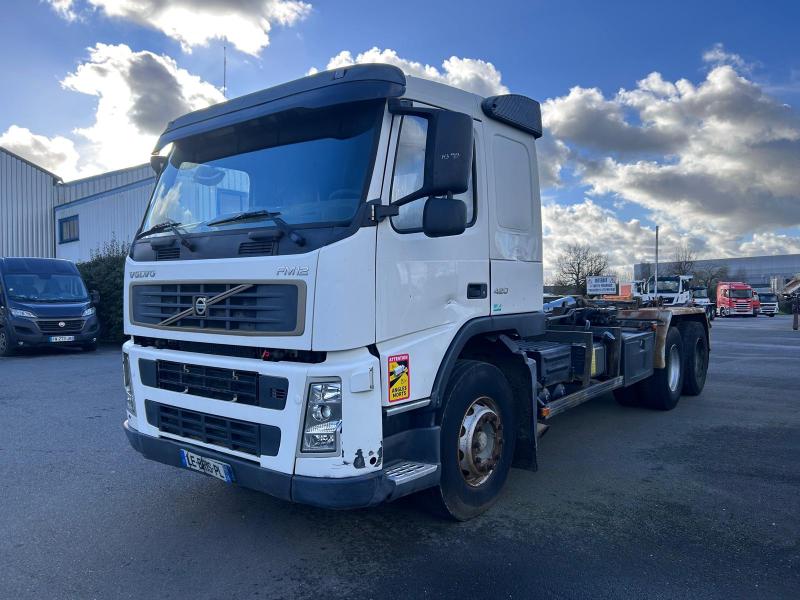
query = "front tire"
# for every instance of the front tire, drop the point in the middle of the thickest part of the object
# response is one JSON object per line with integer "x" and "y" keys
{"x": 665, "y": 385}
{"x": 89, "y": 347}
{"x": 477, "y": 439}
{"x": 6, "y": 344}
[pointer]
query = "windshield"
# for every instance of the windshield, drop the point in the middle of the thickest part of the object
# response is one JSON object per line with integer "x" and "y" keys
{"x": 700, "y": 293}
{"x": 768, "y": 297}
{"x": 309, "y": 166}
{"x": 741, "y": 293}
{"x": 44, "y": 287}
{"x": 667, "y": 286}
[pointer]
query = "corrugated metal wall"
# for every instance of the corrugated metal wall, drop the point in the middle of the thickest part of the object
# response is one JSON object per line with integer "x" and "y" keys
{"x": 113, "y": 214}
{"x": 90, "y": 186}
{"x": 27, "y": 197}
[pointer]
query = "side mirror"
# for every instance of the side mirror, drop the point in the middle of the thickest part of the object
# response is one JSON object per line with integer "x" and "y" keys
{"x": 94, "y": 295}
{"x": 442, "y": 217}
{"x": 158, "y": 162}
{"x": 448, "y": 150}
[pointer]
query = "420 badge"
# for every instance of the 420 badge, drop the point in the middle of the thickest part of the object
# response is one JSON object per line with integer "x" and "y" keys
{"x": 399, "y": 378}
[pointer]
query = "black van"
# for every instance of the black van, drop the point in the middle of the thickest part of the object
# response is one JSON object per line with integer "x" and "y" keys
{"x": 44, "y": 302}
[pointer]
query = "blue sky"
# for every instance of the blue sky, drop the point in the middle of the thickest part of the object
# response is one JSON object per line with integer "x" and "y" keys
{"x": 729, "y": 53}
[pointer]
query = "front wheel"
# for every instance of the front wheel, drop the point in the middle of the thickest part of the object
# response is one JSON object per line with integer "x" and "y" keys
{"x": 771, "y": 314}
{"x": 663, "y": 389}
{"x": 92, "y": 347}
{"x": 6, "y": 344}
{"x": 477, "y": 439}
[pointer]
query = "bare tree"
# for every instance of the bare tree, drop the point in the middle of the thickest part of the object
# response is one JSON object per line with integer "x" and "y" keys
{"x": 710, "y": 277}
{"x": 576, "y": 263}
{"x": 683, "y": 260}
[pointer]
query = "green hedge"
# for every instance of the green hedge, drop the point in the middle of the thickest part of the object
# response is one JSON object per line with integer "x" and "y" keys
{"x": 105, "y": 272}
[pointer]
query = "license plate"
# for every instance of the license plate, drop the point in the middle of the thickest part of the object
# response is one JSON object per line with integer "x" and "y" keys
{"x": 62, "y": 338}
{"x": 209, "y": 466}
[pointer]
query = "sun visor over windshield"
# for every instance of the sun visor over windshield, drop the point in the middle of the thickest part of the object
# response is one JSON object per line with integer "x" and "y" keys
{"x": 349, "y": 84}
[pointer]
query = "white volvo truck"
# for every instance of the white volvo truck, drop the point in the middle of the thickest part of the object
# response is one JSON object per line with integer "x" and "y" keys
{"x": 335, "y": 297}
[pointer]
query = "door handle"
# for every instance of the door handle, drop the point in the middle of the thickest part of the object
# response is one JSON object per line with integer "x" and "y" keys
{"x": 477, "y": 291}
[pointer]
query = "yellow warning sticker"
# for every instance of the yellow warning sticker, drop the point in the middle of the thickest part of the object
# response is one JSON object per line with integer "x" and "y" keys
{"x": 399, "y": 378}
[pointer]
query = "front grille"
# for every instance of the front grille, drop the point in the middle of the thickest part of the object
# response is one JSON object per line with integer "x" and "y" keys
{"x": 209, "y": 382}
{"x": 168, "y": 253}
{"x": 240, "y": 436}
{"x": 70, "y": 325}
{"x": 270, "y": 309}
{"x": 257, "y": 247}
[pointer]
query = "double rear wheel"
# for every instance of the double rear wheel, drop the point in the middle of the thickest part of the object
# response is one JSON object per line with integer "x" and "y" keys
{"x": 684, "y": 372}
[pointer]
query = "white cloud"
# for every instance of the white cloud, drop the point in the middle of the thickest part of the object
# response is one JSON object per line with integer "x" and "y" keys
{"x": 717, "y": 56}
{"x": 56, "y": 154}
{"x": 474, "y": 75}
{"x": 137, "y": 94}
{"x": 64, "y": 8}
{"x": 625, "y": 242}
{"x": 720, "y": 159}
{"x": 246, "y": 24}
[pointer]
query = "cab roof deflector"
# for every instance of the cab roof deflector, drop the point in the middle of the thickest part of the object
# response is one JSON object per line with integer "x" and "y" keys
{"x": 348, "y": 84}
{"x": 518, "y": 111}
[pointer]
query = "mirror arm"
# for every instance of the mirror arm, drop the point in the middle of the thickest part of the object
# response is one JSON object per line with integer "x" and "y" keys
{"x": 401, "y": 106}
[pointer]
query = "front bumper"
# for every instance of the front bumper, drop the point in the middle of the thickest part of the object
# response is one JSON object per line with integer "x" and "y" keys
{"x": 342, "y": 493}
{"x": 28, "y": 333}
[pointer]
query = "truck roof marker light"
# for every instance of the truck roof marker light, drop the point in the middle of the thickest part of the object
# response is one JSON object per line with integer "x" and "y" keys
{"x": 545, "y": 411}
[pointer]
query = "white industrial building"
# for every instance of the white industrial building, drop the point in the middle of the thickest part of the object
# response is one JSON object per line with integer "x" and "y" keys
{"x": 42, "y": 216}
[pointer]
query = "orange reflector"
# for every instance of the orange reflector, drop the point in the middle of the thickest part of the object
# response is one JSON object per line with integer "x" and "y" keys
{"x": 545, "y": 411}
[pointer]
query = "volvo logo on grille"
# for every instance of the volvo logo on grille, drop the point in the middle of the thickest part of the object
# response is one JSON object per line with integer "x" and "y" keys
{"x": 62, "y": 324}
{"x": 200, "y": 306}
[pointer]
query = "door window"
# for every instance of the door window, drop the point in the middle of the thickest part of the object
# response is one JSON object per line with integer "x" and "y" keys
{"x": 409, "y": 173}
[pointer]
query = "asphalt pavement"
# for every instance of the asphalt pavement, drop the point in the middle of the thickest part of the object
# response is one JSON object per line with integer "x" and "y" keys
{"x": 699, "y": 502}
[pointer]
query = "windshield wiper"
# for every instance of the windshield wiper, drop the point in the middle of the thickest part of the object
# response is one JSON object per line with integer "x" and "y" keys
{"x": 168, "y": 226}
{"x": 266, "y": 215}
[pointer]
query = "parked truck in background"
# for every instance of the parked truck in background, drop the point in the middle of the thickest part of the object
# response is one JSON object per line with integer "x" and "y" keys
{"x": 735, "y": 298}
{"x": 700, "y": 298}
{"x": 673, "y": 290}
{"x": 768, "y": 301}
{"x": 335, "y": 297}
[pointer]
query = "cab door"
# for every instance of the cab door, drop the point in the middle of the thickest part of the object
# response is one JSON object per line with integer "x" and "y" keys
{"x": 426, "y": 288}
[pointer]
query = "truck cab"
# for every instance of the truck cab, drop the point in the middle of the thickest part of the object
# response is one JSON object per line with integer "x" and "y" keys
{"x": 735, "y": 298}
{"x": 768, "y": 302}
{"x": 700, "y": 298}
{"x": 335, "y": 297}
{"x": 673, "y": 290}
{"x": 44, "y": 302}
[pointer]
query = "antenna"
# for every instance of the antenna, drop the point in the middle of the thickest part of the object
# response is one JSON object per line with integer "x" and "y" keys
{"x": 225, "y": 68}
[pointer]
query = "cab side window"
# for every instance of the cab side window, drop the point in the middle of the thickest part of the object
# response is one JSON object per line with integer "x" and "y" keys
{"x": 409, "y": 171}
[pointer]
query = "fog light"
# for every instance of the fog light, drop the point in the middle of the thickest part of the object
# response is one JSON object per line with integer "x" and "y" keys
{"x": 323, "y": 418}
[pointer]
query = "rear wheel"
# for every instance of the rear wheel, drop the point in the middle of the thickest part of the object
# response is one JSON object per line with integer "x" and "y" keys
{"x": 6, "y": 344}
{"x": 663, "y": 389}
{"x": 477, "y": 440}
{"x": 695, "y": 357}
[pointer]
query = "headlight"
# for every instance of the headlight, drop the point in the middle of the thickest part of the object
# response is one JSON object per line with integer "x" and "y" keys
{"x": 22, "y": 313}
{"x": 130, "y": 400}
{"x": 323, "y": 420}
{"x": 89, "y": 311}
